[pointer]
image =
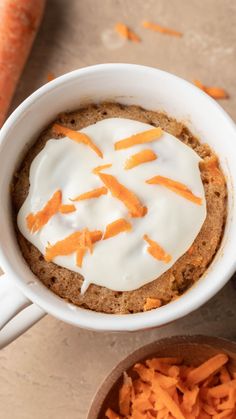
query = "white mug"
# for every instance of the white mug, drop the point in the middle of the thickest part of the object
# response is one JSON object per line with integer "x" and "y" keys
{"x": 23, "y": 298}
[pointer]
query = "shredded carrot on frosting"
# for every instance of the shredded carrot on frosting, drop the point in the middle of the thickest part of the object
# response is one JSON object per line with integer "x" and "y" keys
{"x": 73, "y": 243}
{"x": 124, "y": 31}
{"x": 177, "y": 187}
{"x": 66, "y": 208}
{"x": 36, "y": 221}
{"x": 122, "y": 193}
{"x": 78, "y": 137}
{"x": 143, "y": 156}
{"x": 140, "y": 138}
{"x": 98, "y": 169}
{"x": 94, "y": 193}
{"x": 161, "y": 29}
{"x": 156, "y": 250}
{"x": 116, "y": 227}
{"x": 213, "y": 91}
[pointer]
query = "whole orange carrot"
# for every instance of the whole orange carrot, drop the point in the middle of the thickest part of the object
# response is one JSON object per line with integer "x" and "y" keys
{"x": 19, "y": 22}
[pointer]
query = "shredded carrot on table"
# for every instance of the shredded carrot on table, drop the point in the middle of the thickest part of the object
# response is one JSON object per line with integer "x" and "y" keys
{"x": 98, "y": 169}
{"x": 50, "y": 76}
{"x": 124, "y": 31}
{"x": 36, "y": 221}
{"x": 177, "y": 187}
{"x": 168, "y": 394}
{"x": 77, "y": 136}
{"x": 213, "y": 91}
{"x": 151, "y": 303}
{"x": 66, "y": 209}
{"x": 161, "y": 29}
{"x": 122, "y": 193}
{"x": 140, "y": 138}
{"x": 83, "y": 239}
{"x": 94, "y": 193}
{"x": 116, "y": 227}
{"x": 156, "y": 250}
{"x": 143, "y": 156}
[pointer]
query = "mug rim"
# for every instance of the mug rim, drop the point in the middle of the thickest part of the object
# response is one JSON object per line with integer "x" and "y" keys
{"x": 87, "y": 318}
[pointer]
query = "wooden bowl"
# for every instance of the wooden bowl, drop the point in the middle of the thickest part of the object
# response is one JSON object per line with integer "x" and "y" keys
{"x": 194, "y": 350}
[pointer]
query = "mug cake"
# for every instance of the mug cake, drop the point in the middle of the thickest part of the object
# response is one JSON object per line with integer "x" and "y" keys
{"x": 119, "y": 209}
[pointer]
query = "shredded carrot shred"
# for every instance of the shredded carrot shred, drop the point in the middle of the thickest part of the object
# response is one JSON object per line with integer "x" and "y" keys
{"x": 125, "y": 395}
{"x": 116, "y": 227}
{"x": 143, "y": 156}
{"x": 80, "y": 255}
{"x": 151, "y": 303}
{"x": 95, "y": 193}
{"x": 80, "y": 239}
{"x": 36, "y": 221}
{"x": 98, "y": 169}
{"x": 215, "y": 92}
{"x": 140, "y": 138}
{"x": 50, "y": 76}
{"x": 177, "y": 187}
{"x": 112, "y": 415}
{"x": 161, "y": 29}
{"x": 202, "y": 372}
{"x": 122, "y": 193}
{"x": 66, "y": 209}
{"x": 156, "y": 250}
{"x": 159, "y": 388}
{"x": 124, "y": 31}
{"x": 78, "y": 137}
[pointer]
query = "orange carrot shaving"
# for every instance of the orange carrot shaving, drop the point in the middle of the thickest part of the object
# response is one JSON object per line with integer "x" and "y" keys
{"x": 111, "y": 415}
{"x": 36, "y": 221}
{"x": 78, "y": 137}
{"x": 177, "y": 187}
{"x": 169, "y": 395}
{"x": 207, "y": 368}
{"x": 125, "y": 394}
{"x": 98, "y": 169}
{"x": 126, "y": 32}
{"x": 66, "y": 209}
{"x": 151, "y": 303}
{"x": 156, "y": 250}
{"x": 95, "y": 193}
{"x": 171, "y": 405}
{"x": 140, "y": 138}
{"x": 116, "y": 227}
{"x": 80, "y": 255}
{"x": 224, "y": 375}
{"x": 50, "y": 76}
{"x": 72, "y": 243}
{"x": 122, "y": 193}
{"x": 215, "y": 92}
{"x": 222, "y": 390}
{"x": 143, "y": 156}
{"x": 161, "y": 29}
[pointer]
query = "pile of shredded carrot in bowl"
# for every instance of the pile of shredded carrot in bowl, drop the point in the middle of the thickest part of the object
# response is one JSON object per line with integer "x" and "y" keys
{"x": 168, "y": 388}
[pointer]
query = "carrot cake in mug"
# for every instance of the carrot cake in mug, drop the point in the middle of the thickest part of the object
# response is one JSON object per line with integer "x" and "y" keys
{"x": 119, "y": 209}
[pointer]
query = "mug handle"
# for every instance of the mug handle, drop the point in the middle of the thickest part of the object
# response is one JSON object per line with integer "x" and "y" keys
{"x": 17, "y": 313}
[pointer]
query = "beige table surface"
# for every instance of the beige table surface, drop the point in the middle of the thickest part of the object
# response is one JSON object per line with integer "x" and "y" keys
{"x": 53, "y": 371}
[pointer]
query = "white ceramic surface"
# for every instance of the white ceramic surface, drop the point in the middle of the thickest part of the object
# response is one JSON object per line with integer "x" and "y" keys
{"x": 128, "y": 84}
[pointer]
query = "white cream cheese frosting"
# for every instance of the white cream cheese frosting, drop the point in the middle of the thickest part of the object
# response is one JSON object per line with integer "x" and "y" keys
{"x": 122, "y": 262}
